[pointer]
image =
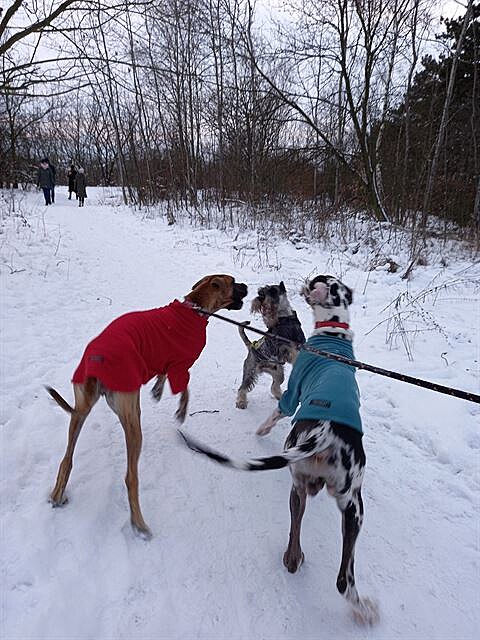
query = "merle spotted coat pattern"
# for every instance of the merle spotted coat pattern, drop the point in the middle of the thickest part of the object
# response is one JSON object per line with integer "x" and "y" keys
{"x": 319, "y": 453}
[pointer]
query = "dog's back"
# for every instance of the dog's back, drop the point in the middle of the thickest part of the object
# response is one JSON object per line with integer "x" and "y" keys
{"x": 325, "y": 389}
{"x": 137, "y": 346}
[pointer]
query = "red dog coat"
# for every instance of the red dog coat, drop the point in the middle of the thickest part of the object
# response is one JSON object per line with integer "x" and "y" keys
{"x": 140, "y": 345}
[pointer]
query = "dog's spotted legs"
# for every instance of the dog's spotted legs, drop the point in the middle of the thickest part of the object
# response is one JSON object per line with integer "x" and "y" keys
{"x": 293, "y": 556}
{"x": 365, "y": 611}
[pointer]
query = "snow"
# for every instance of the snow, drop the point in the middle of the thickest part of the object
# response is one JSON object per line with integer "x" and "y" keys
{"x": 213, "y": 569}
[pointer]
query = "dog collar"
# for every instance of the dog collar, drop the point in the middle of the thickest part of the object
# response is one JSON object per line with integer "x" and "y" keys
{"x": 194, "y": 307}
{"x": 328, "y": 323}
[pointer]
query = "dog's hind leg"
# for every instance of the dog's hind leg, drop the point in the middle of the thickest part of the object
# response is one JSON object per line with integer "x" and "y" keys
{"x": 86, "y": 395}
{"x": 293, "y": 556}
{"x": 127, "y": 407}
{"x": 249, "y": 379}
{"x": 364, "y": 610}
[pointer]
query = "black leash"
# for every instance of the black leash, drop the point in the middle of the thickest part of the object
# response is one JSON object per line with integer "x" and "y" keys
{"x": 457, "y": 393}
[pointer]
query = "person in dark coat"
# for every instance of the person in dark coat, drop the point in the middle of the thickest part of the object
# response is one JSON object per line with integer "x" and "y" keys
{"x": 81, "y": 187}
{"x": 72, "y": 174}
{"x": 54, "y": 175}
{"x": 46, "y": 180}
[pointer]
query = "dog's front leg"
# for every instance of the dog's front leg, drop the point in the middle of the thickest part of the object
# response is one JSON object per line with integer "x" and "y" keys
{"x": 269, "y": 423}
{"x": 182, "y": 406}
{"x": 157, "y": 389}
{"x": 278, "y": 376}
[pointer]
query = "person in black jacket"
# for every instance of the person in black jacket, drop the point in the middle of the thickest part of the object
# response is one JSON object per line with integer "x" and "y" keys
{"x": 81, "y": 187}
{"x": 54, "y": 173}
{"x": 46, "y": 180}
{"x": 72, "y": 174}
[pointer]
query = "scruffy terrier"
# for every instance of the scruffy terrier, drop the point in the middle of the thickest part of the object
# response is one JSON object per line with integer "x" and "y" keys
{"x": 268, "y": 355}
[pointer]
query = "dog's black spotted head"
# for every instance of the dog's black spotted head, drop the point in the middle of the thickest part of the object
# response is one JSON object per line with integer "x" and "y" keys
{"x": 272, "y": 302}
{"x": 328, "y": 292}
{"x": 330, "y": 300}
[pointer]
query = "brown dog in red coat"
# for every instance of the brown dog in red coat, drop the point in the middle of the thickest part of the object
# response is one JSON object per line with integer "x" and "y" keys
{"x": 133, "y": 349}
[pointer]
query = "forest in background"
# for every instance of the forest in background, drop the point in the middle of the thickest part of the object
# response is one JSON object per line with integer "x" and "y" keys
{"x": 326, "y": 107}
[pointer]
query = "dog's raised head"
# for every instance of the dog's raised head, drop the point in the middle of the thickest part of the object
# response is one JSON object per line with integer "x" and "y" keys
{"x": 330, "y": 300}
{"x": 218, "y": 291}
{"x": 272, "y": 302}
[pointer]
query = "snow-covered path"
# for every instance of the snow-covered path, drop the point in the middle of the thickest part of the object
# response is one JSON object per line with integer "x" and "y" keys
{"x": 213, "y": 569}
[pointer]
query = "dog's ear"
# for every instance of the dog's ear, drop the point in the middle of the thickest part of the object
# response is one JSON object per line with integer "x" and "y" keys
{"x": 256, "y": 306}
{"x": 216, "y": 282}
{"x": 305, "y": 290}
{"x": 281, "y": 287}
{"x": 197, "y": 284}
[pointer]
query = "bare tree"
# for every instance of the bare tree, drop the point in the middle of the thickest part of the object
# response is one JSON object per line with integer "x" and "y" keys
{"x": 355, "y": 47}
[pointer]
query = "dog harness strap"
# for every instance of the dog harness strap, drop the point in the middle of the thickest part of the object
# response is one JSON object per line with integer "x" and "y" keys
{"x": 329, "y": 323}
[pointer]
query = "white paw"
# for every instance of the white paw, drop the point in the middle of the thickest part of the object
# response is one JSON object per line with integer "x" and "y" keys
{"x": 265, "y": 428}
{"x": 366, "y": 612}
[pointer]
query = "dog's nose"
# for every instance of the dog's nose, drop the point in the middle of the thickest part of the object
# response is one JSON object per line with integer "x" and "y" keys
{"x": 242, "y": 289}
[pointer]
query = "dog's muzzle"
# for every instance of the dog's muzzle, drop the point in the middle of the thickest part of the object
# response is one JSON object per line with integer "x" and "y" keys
{"x": 240, "y": 290}
{"x": 317, "y": 295}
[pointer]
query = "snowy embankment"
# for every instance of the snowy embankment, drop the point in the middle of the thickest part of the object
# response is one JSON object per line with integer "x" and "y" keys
{"x": 214, "y": 567}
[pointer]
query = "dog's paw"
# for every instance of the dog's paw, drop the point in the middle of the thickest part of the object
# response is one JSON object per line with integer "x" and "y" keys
{"x": 366, "y": 612}
{"x": 269, "y": 423}
{"x": 180, "y": 415}
{"x": 293, "y": 561}
{"x": 61, "y": 502}
{"x": 143, "y": 533}
{"x": 241, "y": 403}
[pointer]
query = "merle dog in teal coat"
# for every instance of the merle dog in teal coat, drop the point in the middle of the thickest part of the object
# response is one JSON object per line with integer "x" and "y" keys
{"x": 324, "y": 446}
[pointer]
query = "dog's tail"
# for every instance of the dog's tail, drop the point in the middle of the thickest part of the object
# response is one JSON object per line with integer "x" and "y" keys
{"x": 316, "y": 442}
{"x": 59, "y": 400}
{"x": 243, "y": 335}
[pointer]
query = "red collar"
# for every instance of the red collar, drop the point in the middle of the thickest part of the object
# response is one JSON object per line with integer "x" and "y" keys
{"x": 328, "y": 323}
